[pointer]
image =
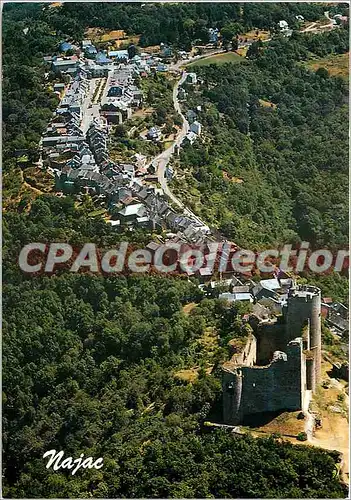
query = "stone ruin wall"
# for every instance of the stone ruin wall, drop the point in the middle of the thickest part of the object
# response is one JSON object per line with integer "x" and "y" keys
{"x": 244, "y": 355}
{"x": 259, "y": 389}
{"x": 271, "y": 337}
{"x": 291, "y": 354}
{"x": 304, "y": 307}
{"x": 275, "y": 387}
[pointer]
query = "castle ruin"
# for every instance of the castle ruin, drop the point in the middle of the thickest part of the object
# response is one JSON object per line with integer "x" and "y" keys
{"x": 278, "y": 363}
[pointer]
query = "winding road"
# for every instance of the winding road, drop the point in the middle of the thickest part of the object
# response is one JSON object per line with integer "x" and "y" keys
{"x": 161, "y": 161}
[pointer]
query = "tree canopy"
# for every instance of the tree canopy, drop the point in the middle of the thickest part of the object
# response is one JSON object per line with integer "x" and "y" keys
{"x": 92, "y": 364}
{"x": 275, "y": 139}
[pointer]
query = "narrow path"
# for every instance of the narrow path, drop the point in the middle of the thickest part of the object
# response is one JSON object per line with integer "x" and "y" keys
{"x": 309, "y": 421}
{"x": 311, "y": 27}
{"x": 161, "y": 161}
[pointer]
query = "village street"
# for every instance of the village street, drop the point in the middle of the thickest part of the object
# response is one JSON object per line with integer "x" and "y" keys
{"x": 161, "y": 161}
{"x": 90, "y": 110}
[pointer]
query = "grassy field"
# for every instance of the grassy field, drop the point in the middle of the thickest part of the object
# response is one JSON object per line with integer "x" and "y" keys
{"x": 98, "y": 212}
{"x": 113, "y": 35}
{"x": 118, "y": 38}
{"x": 336, "y": 64}
{"x": 287, "y": 424}
{"x": 255, "y": 35}
{"x": 21, "y": 187}
{"x": 38, "y": 180}
{"x": 267, "y": 104}
{"x": 228, "y": 57}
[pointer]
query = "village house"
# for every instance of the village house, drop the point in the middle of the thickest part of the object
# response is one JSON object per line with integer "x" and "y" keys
{"x": 119, "y": 55}
{"x": 191, "y": 116}
{"x": 86, "y": 43}
{"x": 165, "y": 51}
{"x": 130, "y": 213}
{"x": 115, "y": 91}
{"x": 64, "y": 140}
{"x": 190, "y": 138}
{"x": 213, "y": 35}
{"x": 337, "y": 316}
{"x": 66, "y": 65}
{"x": 91, "y": 52}
{"x": 93, "y": 70}
{"x": 191, "y": 78}
{"x": 59, "y": 87}
{"x": 340, "y": 19}
{"x": 101, "y": 58}
{"x": 162, "y": 68}
{"x": 271, "y": 288}
{"x": 115, "y": 112}
{"x": 196, "y": 128}
{"x": 154, "y": 134}
{"x": 236, "y": 297}
{"x": 65, "y": 47}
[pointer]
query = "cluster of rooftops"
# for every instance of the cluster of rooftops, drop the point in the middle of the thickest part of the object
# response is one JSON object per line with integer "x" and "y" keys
{"x": 95, "y": 63}
{"x": 130, "y": 201}
{"x": 273, "y": 293}
{"x": 75, "y": 145}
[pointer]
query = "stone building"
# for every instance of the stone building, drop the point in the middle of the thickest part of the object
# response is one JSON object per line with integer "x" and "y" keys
{"x": 278, "y": 363}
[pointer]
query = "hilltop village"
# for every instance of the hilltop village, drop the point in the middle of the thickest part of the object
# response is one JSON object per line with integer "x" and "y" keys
{"x": 101, "y": 92}
{"x": 98, "y": 90}
{"x": 278, "y": 367}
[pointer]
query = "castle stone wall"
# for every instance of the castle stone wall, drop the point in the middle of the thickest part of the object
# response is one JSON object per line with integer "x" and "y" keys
{"x": 310, "y": 375}
{"x": 304, "y": 306}
{"x": 250, "y": 351}
{"x": 288, "y": 358}
{"x": 270, "y": 338}
{"x": 275, "y": 387}
{"x": 278, "y": 386}
{"x": 232, "y": 384}
{"x": 232, "y": 380}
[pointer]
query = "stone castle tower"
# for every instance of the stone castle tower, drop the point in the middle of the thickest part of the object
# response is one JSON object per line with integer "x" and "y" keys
{"x": 303, "y": 314}
{"x": 279, "y": 363}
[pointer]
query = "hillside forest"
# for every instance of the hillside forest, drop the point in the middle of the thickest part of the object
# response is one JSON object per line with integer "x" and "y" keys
{"x": 100, "y": 365}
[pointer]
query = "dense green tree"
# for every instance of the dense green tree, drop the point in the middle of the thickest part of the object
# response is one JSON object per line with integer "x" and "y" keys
{"x": 280, "y": 145}
{"x": 89, "y": 367}
{"x": 91, "y": 363}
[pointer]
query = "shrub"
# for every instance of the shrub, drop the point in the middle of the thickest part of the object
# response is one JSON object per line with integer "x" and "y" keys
{"x": 302, "y": 436}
